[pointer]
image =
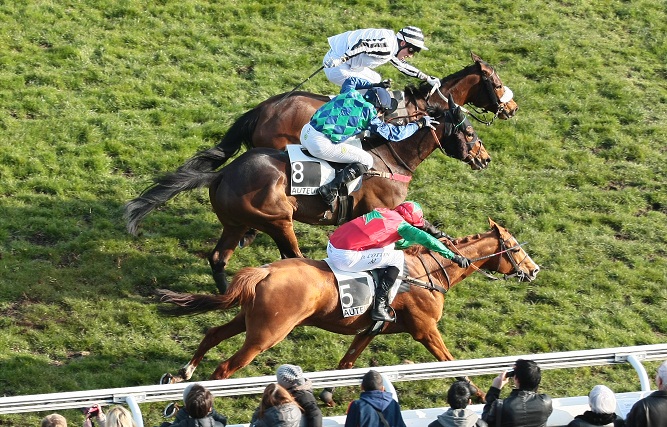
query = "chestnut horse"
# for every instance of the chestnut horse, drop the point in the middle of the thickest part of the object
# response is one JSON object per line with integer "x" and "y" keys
{"x": 254, "y": 190}
{"x": 280, "y": 296}
{"x": 277, "y": 121}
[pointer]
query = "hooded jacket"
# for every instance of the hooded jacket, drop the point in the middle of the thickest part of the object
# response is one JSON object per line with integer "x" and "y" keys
{"x": 363, "y": 412}
{"x": 286, "y": 415}
{"x": 458, "y": 418}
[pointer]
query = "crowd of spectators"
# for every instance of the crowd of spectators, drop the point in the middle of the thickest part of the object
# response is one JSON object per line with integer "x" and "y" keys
{"x": 290, "y": 402}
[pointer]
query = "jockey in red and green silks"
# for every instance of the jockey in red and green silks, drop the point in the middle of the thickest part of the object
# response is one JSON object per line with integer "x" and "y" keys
{"x": 369, "y": 242}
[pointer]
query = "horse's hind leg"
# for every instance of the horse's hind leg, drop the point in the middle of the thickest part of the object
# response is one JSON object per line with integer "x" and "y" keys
{"x": 282, "y": 232}
{"x": 213, "y": 337}
{"x": 260, "y": 337}
{"x": 231, "y": 236}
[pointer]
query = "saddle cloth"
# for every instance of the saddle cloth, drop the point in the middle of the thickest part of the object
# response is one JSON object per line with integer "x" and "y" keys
{"x": 356, "y": 290}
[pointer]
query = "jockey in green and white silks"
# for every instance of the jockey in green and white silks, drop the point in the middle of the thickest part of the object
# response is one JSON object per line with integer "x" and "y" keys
{"x": 346, "y": 115}
{"x": 356, "y": 53}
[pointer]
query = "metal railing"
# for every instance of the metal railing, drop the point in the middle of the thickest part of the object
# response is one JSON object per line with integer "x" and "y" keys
{"x": 133, "y": 396}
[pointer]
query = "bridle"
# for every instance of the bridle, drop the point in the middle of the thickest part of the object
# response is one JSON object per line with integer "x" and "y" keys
{"x": 492, "y": 92}
{"x": 450, "y": 128}
{"x": 504, "y": 248}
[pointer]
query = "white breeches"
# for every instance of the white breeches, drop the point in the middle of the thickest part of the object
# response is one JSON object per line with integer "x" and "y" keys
{"x": 321, "y": 147}
{"x": 370, "y": 259}
{"x": 339, "y": 74}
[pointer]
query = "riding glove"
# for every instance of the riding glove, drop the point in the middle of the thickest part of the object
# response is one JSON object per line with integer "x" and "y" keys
{"x": 433, "y": 81}
{"x": 462, "y": 261}
{"x": 384, "y": 83}
{"x": 427, "y": 121}
{"x": 335, "y": 62}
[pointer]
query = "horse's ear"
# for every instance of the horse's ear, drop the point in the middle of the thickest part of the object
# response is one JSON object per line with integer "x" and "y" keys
{"x": 492, "y": 223}
{"x": 450, "y": 102}
{"x": 474, "y": 57}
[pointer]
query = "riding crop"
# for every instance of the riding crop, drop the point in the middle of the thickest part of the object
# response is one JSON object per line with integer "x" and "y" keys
{"x": 302, "y": 83}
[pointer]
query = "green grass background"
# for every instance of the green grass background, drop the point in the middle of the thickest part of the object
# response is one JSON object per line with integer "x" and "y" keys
{"x": 96, "y": 98}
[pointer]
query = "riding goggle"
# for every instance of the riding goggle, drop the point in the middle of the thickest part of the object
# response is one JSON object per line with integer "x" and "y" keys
{"x": 413, "y": 49}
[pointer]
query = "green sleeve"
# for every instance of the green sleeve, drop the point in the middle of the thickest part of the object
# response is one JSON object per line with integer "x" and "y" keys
{"x": 414, "y": 235}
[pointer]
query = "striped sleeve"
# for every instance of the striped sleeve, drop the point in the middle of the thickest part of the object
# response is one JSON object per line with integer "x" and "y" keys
{"x": 407, "y": 69}
{"x": 375, "y": 47}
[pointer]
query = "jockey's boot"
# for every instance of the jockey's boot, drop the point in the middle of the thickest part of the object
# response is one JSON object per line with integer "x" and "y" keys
{"x": 329, "y": 191}
{"x": 380, "y": 311}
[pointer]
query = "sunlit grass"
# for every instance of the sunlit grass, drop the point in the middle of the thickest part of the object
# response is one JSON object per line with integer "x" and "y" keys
{"x": 97, "y": 98}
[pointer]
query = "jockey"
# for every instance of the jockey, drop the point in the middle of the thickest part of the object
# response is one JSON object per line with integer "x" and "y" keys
{"x": 368, "y": 242}
{"x": 355, "y": 53}
{"x": 346, "y": 115}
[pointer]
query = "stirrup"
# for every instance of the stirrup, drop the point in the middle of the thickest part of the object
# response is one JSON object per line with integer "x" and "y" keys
{"x": 383, "y": 315}
{"x": 328, "y": 195}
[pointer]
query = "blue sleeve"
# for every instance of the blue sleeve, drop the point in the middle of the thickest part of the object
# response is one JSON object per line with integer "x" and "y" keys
{"x": 355, "y": 83}
{"x": 415, "y": 235}
{"x": 391, "y": 132}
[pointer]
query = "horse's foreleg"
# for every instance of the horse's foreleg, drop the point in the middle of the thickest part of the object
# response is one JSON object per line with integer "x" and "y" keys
{"x": 213, "y": 337}
{"x": 359, "y": 344}
{"x": 229, "y": 239}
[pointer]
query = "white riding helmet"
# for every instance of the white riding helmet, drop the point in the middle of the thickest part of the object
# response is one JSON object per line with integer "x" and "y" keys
{"x": 413, "y": 36}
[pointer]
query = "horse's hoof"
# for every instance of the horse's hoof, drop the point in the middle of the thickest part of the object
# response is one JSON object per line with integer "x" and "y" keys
{"x": 167, "y": 379}
{"x": 220, "y": 282}
{"x": 327, "y": 398}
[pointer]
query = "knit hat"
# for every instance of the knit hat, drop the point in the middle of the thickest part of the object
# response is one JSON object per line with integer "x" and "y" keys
{"x": 290, "y": 376}
{"x": 602, "y": 400}
{"x": 186, "y": 391}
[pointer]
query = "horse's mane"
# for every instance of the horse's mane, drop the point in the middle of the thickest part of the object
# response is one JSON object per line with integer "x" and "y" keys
{"x": 424, "y": 87}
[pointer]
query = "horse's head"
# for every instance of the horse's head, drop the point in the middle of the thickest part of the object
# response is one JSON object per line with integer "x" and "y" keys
{"x": 460, "y": 139}
{"x": 513, "y": 261}
{"x": 500, "y": 98}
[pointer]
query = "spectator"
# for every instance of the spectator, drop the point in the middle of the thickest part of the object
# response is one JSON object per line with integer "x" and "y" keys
{"x": 524, "y": 407}
{"x": 291, "y": 378}
{"x": 54, "y": 420}
{"x": 652, "y": 410}
{"x": 95, "y": 413}
{"x": 199, "y": 407}
{"x": 277, "y": 409}
{"x": 603, "y": 404}
{"x": 118, "y": 416}
{"x": 375, "y": 406}
{"x": 458, "y": 398}
{"x": 182, "y": 413}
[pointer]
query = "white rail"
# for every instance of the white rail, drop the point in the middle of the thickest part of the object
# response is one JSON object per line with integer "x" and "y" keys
{"x": 255, "y": 385}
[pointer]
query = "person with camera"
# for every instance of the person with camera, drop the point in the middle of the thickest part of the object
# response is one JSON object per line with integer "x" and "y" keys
{"x": 524, "y": 407}
{"x": 651, "y": 410}
{"x": 458, "y": 415}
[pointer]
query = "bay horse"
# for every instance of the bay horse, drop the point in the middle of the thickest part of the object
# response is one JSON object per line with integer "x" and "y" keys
{"x": 253, "y": 191}
{"x": 277, "y": 121}
{"x": 276, "y": 298}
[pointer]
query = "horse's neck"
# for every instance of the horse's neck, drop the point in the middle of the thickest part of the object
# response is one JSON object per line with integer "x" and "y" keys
{"x": 462, "y": 85}
{"x": 472, "y": 247}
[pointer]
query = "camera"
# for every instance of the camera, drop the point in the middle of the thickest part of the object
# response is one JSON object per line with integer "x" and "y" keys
{"x": 509, "y": 374}
{"x": 92, "y": 411}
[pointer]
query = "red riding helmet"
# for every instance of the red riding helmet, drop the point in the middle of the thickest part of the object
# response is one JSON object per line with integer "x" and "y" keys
{"x": 412, "y": 212}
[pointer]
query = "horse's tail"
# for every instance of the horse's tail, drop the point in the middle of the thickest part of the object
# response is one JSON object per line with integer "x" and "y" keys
{"x": 240, "y": 133}
{"x": 165, "y": 188}
{"x": 240, "y": 291}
